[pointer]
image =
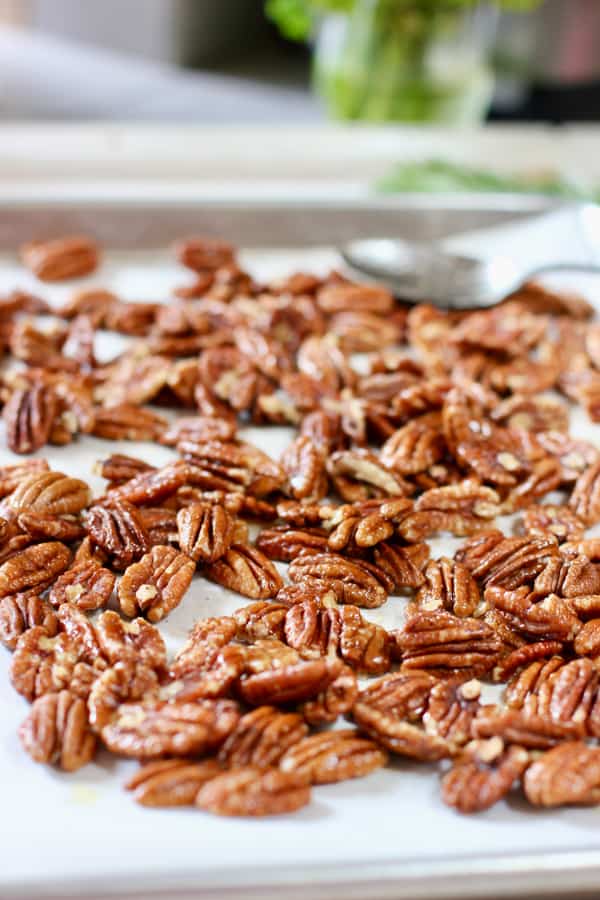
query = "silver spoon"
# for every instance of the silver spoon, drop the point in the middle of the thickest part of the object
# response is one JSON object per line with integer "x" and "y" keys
{"x": 423, "y": 272}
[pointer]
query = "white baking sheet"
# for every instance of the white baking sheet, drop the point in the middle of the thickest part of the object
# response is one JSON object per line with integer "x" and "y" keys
{"x": 82, "y": 833}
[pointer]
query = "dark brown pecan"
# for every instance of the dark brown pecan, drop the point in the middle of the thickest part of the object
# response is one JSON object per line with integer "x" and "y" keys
{"x": 304, "y": 466}
{"x": 232, "y": 467}
{"x": 285, "y": 544}
{"x": 86, "y": 584}
{"x": 351, "y": 582}
{"x": 442, "y": 641}
{"x": 483, "y": 775}
{"x": 29, "y": 416}
{"x": 316, "y": 631}
{"x": 359, "y": 474}
{"x": 61, "y": 258}
{"x": 254, "y": 792}
{"x": 42, "y": 664}
{"x": 509, "y": 562}
{"x": 160, "y": 523}
{"x": 333, "y": 756}
{"x": 57, "y": 731}
{"x": 289, "y": 683}
{"x": 206, "y": 531}
{"x": 120, "y": 639}
{"x": 126, "y": 422}
{"x": 204, "y": 253}
{"x": 44, "y": 527}
{"x": 20, "y": 612}
{"x": 156, "y": 584}
{"x": 448, "y": 585}
{"x": 261, "y": 738}
{"x": 247, "y": 571}
{"x": 154, "y": 729}
{"x": 205, "y": 640}
{"x": 261, "y": 620}
{"x": 404, "y": 565}
{"x": 34, "y": 567}
{"x": 50, "y": 493}
{"x": 567, "y": 775}
{"x": 585, "y": 499}
{"x": 119, "y": 467}
{"x": 171, "y": 782}
{"x": 520, "y": 727}
{"x": 119, "y": 530}
{"x": 128, "y": 680}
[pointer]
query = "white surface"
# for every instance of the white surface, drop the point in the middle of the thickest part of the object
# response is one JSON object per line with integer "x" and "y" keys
{"x": 76, "y": 832}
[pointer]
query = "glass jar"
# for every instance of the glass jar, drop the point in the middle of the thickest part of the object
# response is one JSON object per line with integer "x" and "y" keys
{"x": 392, "y": 60}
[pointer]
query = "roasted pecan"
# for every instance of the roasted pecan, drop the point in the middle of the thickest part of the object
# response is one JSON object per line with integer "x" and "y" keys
{"x": 535, "y": 615}
{"x": 458, "y": 508}
{"x": 404, "y": 695}
{"x": 291, "y": 683}
{"x": 201, "y": 253}
{"x": 520, "y": 727}
{"x": 525, "y": 655}
{"x": 336, "y": 298}
{"x": 316, "y": 631}
{"x": 440, "y": 640}
{"x": 304, "y": 466}
{"x": 42, "y": 664}
{"x": 156, "y": 584}
{"x": 451, "y": 710}
{"x": 359, "y": 474}
{"x": 137, "y": 639}
{"x": 551, "y": 519}
{"x": 11, "y": 476}
{"x": 250, "y": 791}
{"x": 261, "y": 738}
{"x": 285, "y": 544}
{"x": 43, "y": 527}
{"x": 206, "y": 531}
{"x": 322, "y": 359}
{"x": 29, "y": 416}
{"x": 397, "y": 735}
{"x": 171, "y": 782}
{"x": 403, "y": 564}
{"x": 57, "y": 731}
{"x": 126, "y": 681}
{"x": 483, "y": 774}
{"x": 509, "y": 562}
{"x": 61, "y": 258}
{"x": 126, "y": 422}
{"x": 333, "y": 756}
{"x": 524, "y": 686}
{"x": 416, "y": 446}
{"x": 205, "y": 640}
{"x": 247, "y": 571}
{"x": 154, "y": 729}
{"x": 261, "y": 620}
{"x": 585, "y": 499}
{"x": 232, "y": 467}
{"x": 153, "y": 487}
{"x": 119, "y": 530}
{"x": 334, "y": 700}
{"x": 86, "y": 584}
{"x": 448, "y": 585}
{"x": 567, "y": 775}
{"x": 51, "y": 494}
{"x": 20, "y": 612}
{"x": 34, "y": 567}
{"x": 351, "y": 582}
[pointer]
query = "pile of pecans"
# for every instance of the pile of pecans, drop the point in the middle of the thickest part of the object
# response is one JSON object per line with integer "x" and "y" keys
{"x": 460, "y": 418}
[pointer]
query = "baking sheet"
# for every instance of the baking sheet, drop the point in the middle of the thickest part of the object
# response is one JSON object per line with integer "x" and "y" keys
{"x": 385, "y": 835}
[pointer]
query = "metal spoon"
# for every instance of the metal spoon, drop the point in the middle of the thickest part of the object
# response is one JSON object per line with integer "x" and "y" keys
{"x": 422, "y": 272}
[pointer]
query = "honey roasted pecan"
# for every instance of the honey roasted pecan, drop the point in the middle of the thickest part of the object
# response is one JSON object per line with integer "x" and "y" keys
{"x": 261, "y": 620}
{"x": 60, "y": 259}
{"x": 335, "y": 699}
{"x": 137, "y": 639}
{"x": 43, "y": 664}
{"x": 585, "y": 499}
{"x": 451, "y": 709}
{"x": 57, "y": 731}
{"x": 50, "y": 493}
{"x": 232, "y": 467}
{"x": 29, "y": 416}
{"x": 254, "y": 792}
{"x": 206, "y": 531}
{"x": 205, "y": 640}
{"x": 126, "y": 681}
{"x": 171, "y": 782}
{"x": 551, "y": 519}
{"x": 261, "y": 738}
{"x": 126, "y": 422}
{"x": 333, "y": 756}
{"x": 352, "y": 582}
{"x": 35, "y": 567}
{"x": 405, "y": 565}
{"x": 360, "y": 474}
{"x": 85, "y": 584}
{"x": 304, "y": 465}
{"x": 44, "y": 527}
{"x": 530, "y": 730}
{"x": 119, "y": 530}
{"x": 448, "y": 585}
{"x": 483, "y": 774}
{"x": 20, "y": 612}
{"x": 247, "y": 571}
{"x": 285, "y": 544}
{"x": 442, "y": 641}
{"x": 202, "y": 253}
{"x": 567, "y": 775}
{"x": 156, "y": 584}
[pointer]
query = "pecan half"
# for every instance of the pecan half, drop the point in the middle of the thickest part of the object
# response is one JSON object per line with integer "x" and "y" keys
{"x": 61, "y": 258}
{"x": 206, "y": 531}
{"x": 285, "y": 544}
{"x": 156, "y": 584}
{"x": 34, "y": 567}
{"x": 359, "y": 474}
{"x": 483, "y": 774}
{"x": 232, "y": 467}
{"x": 20, "y": 612}
{"x": 351, "y": 582}
{"x": 29, "y": 416}
{"x": 50, "y": 493}
{"x": 439, "y": 640}
{"x": 520, "y": 727}
{"x": 261, "y": 738}
{"x": 304, "y": 465}
{"x": 171, "y": 782}
{"x": 261, "y": 620}
{"x": 247, "y": 571}
{"x": 254, "y": 792}
{"x": 585, "y": 499}
{"x": 288, "y": 683}
{"x": 333, "y": 756}
{"x": 205, "y": 640}
{"x": 42, "y": 664}
{"x": 136, "y": 639}
{"x": 451, "y": 710}
{"x": 398, "y": 736}
{"x": 567, "y": 775}
{"x": 126, "y": 422}
{"x": 44, "y": 527}
{"x": 57, "y": 731}
{"x": 119, "y": 530}
{"x": 126, "y": 681}
{"x": 448, "y": 585}
{"x": 85, "y": 584}
{"x": 335, "y": 699}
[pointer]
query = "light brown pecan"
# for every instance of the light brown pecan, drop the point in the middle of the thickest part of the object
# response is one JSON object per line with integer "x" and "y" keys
{"x": 285, "y": 544}
{"x": 483, "y": 775}
{"x": 156, "y": 584}
{"x": 261, "y": 620}
{"x": 552, "y": 519}
{"x": 55, "y": 528}
{"x": 442, "y": 641}
{"x": 404, "y": 695}
{"x": 232, "y": 467}
{"x": 126, "y": 422}
{"x": 61, "y": 258}
{"x": 461, "y": 509}
{"x": 154, "y": 729}
{"x": 85, "y": 584}
{"x": 250, "y": 791}
{"x": 11, "y": 476}
{"x": 128, "y": 680}
{"x": 205, "y": 640}
{"x": 57, "y": 731}
{"x": 20, "y": 612}
{"x": 524, "y": 686}
{"x": 359, "y": 474}
{"x": 304, "y": 466}
{"x": 29, "y": 416}
{"x": 567, "y": 775}
{"x": 363, "y": 332}
{"x": 574, "y": 456}
{"x": 448, "y": 585}
{"x": 585, "y": 499}
{"x": 334, "y": 298}
{"x": 535, "y": 615}
{"x": 341, "y": 631}
{"x": 334, "y": 700}
{"x": 298, "y": 593}
{"x": 397, "y": 735}
{"x": 333, "y": 756}
{"x": 451, "y": 710}
{"x": 50, "y": 493}
{"x": 521, "y": 727}
{"x": 198, "y": 430}
{"x": 34, "y": 567}
{"x": 353, "y": 529}
{"x": 119, "y": 530}
{"x": 42, "y": 664}
{"x": 416, "y": 446}
{"x": 171, "y": 782}
{"x": 137, "y": 639}
{"x": 351, "y": 582}
{"x": 320, "y": 358}
{"x": 202, "y": 253}
{"x": 261, "y": 738}
{"x": 404, "y": 565}
{"x": 523, "y": 656}
{"x": 206, "y": 531}
{"x": 587, "y": 641}
{"x": 247, "y": 571}
{"x": 291, "y": 683}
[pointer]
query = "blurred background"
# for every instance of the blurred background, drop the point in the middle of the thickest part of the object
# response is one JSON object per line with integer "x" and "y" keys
{"x": 214, "y": 61}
